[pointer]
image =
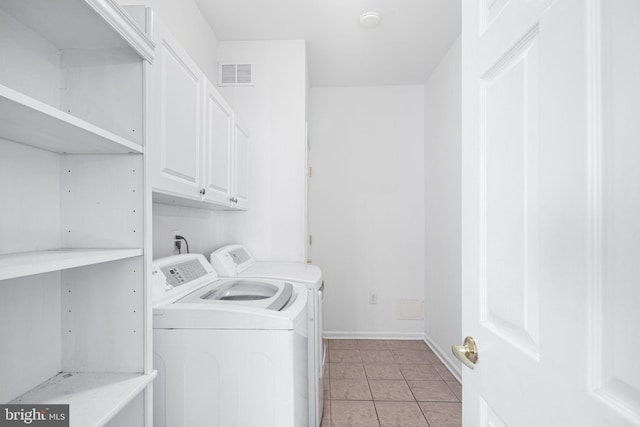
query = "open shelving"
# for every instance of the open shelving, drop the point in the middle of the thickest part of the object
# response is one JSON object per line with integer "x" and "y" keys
{"x": 28, "y": 263}
{"x": 29, "y": 121}
{"x": 93, "y": 398}
{"x": 82, "y": 24}
{"x": 73, "y": 223}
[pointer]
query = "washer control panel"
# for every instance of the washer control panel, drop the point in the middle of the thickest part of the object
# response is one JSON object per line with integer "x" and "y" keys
{"x": 179, "y": 274}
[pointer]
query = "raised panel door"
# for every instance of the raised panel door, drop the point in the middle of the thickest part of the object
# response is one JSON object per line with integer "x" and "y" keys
{"x": 175, "y": 97}
{"x": 550, "y": 191}
{"x": 241, "y": 166}
{"x": 218, "y": 147}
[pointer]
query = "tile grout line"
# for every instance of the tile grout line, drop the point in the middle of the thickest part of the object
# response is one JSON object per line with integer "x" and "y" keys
{"x": 397, "y": 365}
{"x": 406, "y": 381}
{"x": 370, "y": 390}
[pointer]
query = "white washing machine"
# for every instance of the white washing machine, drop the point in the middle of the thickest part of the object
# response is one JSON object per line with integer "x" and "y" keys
{"x": 237, "y": 261}
{"x": 229, "y": 352}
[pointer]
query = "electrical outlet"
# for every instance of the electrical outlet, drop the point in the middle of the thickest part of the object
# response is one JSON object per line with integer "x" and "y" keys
{"x": 174, "y": 245}
{"x": 373, "y": 298}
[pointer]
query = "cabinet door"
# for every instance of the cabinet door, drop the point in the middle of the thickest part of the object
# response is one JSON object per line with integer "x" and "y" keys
{"x": 175, "y": 106}
{"x": 217, "y": 147}
{"x": 241, "y": 166}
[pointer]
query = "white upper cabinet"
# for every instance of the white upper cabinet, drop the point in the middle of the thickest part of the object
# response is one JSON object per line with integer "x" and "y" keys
{"x": 199, "y": 152}
{"x": 218, "y": 147}
{"x": 175, "y": 102}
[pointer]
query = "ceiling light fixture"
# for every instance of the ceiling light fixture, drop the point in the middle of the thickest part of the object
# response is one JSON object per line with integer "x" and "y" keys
{"x": 370, "y": 19}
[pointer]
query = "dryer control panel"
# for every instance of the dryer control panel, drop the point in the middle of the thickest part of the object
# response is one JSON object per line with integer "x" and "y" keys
{"x": 231, "y": 260}
{"x": 239, "y": 256}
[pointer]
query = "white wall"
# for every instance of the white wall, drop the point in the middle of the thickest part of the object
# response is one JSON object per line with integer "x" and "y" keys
{"x": 198, "y": 226}
{"x": 274, "y": 110}
{"x": 442, "y": 120}
{"x": 366, "y": 205}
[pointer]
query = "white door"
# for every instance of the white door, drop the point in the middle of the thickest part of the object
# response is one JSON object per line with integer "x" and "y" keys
{"x": 551, "y": 212}
{"x": 218, "y": 142}
{"x": 175, "y": 99}
{"x": 241, "y": 166}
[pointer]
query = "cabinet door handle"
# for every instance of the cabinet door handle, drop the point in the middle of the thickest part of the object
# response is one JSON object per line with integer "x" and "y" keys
{"x": 203, "y": 191}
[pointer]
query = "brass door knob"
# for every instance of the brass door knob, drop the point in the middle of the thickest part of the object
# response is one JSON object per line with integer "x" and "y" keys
{"x": 467, "y": 353}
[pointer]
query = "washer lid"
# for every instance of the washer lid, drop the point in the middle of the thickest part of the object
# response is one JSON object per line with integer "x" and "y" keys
{"x": 193, "y": 312}
{"x": 270, "y": 295}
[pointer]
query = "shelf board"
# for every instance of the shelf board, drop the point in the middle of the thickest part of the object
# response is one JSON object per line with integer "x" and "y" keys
{"x": 93, "y": 398}
{"x": 29, "y": 263}
{"x": 102, "y": 24}
{"x": 29, "y": 121}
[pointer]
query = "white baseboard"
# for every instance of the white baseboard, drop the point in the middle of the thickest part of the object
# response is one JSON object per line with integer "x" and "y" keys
{"x": 449, "y": 361}
{"x": 341, "y": 335}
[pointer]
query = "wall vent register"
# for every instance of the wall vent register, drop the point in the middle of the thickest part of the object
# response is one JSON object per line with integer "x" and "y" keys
{"x": 235, "y": 75}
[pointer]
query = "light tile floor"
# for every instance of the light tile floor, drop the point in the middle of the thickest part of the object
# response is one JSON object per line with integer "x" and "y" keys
{"x": 385, "y": 383}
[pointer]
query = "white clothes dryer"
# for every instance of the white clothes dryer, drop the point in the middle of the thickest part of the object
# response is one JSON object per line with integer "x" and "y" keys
{"x": 229, "y": 352}
{"x": 237, "y": 261}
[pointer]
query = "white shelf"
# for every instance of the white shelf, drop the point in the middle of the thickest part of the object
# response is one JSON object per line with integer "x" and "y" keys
{"x": 93, "y": 398}
{"x": 29, "y": 263}
{"x": 29, "y": 121}
{"x": 101, "y": 24}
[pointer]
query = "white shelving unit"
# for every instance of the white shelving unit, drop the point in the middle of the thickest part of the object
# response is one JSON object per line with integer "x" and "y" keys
{"x": 93, "y": 399}
{"x": 29, "y": 121}
{"x": 29, "y": 263}
{"x": 75, "y": 320}
{"x": 82, "y": 24}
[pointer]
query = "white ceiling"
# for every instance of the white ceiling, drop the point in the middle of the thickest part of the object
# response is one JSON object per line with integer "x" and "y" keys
{"x": 412, "y": 37}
